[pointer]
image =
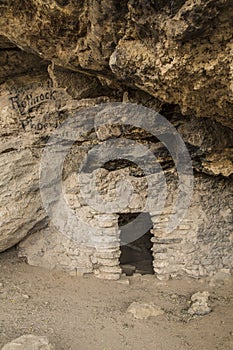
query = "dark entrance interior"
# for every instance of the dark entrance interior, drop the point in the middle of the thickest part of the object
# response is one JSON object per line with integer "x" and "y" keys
{"x": 136, "y": 256}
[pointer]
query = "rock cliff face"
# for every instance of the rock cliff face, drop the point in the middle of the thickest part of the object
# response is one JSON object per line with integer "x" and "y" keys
{"x": 178, "y": 51}
{"x": 175, "y": 57}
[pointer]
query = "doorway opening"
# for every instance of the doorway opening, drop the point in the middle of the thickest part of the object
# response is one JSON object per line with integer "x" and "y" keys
{"x": 136, "y": 254}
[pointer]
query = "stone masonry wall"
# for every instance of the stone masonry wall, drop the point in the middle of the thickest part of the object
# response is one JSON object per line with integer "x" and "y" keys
{"x": 199, "y": 247}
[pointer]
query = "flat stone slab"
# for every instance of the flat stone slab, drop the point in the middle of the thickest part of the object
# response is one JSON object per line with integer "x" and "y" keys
{"x": 144, "y": 310}
{"x": 29, "y": 342}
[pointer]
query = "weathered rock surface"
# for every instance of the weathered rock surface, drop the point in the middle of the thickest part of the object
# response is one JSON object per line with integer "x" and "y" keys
{"x": 222, "y": 277}
{"x": 144, "y": 310}
{"x": 199, "y": 304}
{"x": 21, "y": 209}
{"x": 173, "y": 57}
{"x": 29, "y": 342}
{"x": 31, "y": 108}
{"x": 179, "y": 51}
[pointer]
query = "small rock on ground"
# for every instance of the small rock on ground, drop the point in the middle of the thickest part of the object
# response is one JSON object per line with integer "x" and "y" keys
{"x": 29, "y": 342}
{"x": 199, "y": 304}
{"x": 124, "y": 281}
{"x": 144, "y": 310}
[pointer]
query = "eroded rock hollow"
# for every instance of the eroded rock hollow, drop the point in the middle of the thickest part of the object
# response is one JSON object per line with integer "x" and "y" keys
{"x": 63, "y": 59}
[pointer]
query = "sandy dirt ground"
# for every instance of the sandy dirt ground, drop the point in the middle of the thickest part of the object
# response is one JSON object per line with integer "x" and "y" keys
{"x": 85, "y": 313}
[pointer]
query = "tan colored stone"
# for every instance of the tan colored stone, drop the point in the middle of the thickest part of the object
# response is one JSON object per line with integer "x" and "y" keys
{"x": 29, "y": 342}
{"x": 144, "y": 310}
